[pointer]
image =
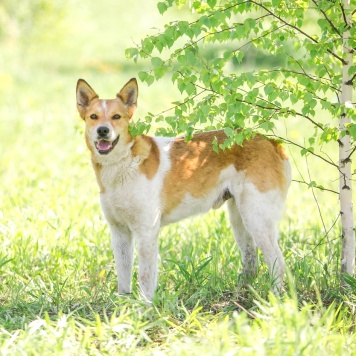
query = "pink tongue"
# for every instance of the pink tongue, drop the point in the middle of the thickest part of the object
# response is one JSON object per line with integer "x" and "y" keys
{"x": 104, "y": 145}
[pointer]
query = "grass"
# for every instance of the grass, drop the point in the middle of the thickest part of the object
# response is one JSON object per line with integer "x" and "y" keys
{"x": 58, "y": 290}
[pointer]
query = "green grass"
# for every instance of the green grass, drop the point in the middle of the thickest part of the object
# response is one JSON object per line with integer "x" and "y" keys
{"x": 58, "y": 291}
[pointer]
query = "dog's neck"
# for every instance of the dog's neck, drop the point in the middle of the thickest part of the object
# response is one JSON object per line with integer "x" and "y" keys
{"x": 125, "y": 162}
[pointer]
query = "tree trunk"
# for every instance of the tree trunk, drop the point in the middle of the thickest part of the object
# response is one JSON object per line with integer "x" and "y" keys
{"x": 346, "y": 207}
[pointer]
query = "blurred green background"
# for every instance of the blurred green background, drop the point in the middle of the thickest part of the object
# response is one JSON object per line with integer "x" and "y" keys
{"x": 46, "y": 45}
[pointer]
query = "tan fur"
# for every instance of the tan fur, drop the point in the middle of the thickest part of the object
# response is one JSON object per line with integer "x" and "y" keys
{"x": 147, "y": 149}
{"x": 196, "y": 167}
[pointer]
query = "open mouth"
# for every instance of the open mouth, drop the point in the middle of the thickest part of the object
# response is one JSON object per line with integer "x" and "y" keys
{"x": 104, "y": 147}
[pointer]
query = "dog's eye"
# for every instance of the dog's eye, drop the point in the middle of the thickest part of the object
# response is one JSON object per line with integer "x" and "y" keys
{"x": 94, "y": 116}
{"x": 116, "y": 117}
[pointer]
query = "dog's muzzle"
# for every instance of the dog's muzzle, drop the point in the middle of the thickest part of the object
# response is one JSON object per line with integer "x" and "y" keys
{"x": 104, "y": 146}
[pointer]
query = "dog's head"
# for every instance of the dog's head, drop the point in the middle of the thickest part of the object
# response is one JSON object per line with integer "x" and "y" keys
{"x": 107, "y": 121}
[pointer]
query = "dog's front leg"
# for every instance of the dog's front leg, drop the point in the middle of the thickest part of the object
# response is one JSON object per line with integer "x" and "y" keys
{"x": 147, "y": 245}
{"x": 123, "y": 248}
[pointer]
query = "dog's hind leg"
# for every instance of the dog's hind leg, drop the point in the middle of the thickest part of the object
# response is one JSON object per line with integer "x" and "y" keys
{"x": 123, "y": 248}
{"x": 261, "y": 213}
{"x": 244, "y": 240}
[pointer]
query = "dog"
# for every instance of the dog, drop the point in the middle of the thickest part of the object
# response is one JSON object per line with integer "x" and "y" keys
{"x": 148, "y": 182}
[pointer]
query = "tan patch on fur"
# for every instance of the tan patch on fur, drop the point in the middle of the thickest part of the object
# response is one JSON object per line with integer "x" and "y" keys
{"x": 262, "y": 161}
{"x": 196, "y": 167}
{"x": 147, "y": 149}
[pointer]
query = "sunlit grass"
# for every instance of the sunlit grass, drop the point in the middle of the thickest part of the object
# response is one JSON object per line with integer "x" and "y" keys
{"x": 58, "y": 291}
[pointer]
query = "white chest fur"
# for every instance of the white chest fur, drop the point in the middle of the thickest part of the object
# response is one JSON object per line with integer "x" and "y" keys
{"x": 129, "y": 198}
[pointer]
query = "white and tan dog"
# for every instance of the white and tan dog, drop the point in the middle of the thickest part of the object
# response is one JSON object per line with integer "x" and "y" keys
{"x": 147, "y": 182}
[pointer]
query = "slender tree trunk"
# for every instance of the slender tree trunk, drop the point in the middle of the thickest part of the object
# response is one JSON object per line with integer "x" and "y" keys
{"x": 346, "y": 207}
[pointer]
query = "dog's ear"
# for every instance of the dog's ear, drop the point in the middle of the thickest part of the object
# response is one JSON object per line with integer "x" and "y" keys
{"x": 128, "y": 94}
{"x": 85, "y": 94}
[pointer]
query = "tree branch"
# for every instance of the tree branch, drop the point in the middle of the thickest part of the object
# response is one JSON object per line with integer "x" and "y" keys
{"x": 315, "y": 79}
{"x": 193, "y": 43}
{"x": 284, "y": 21}
{"x": 257, "y": 38}
{"x": 344, "y": 15}
{"x": 349, "y": 156}
{"x": 300, "y": 146}
{"x": 327, "y": 19}
{"x": 316, "y": 186}
{"x": 296, "y": 29}
{"x": 351, "y": 81}
{"x": 180, "y": 104}
{"x": 276, "y": 107}
{"x": 321, "y": 241}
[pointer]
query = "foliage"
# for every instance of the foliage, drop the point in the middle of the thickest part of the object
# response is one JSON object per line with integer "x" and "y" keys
{"x": 222, "y": 91}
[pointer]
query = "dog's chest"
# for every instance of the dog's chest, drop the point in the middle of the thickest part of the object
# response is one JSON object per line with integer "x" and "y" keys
{"x": 126, "y": 196}
{"x": 119, "y": 206}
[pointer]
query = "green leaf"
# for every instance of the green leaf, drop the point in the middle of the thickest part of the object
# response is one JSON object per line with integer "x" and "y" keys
{"x": 143, "y": 76}
{"x": 267, "y": 125}
{"x": 211, "y": 3}
{"x": 131, "y": 52}
{"x": 269, "y": 88}
{"x": 206, "y": 21}
{"x": 160, "y": 72}
{"x": 228, "y": 55}
{"x": 146, "y": 77}
{"x": 190, "y": 58}
{"x": 162, "y": 7}
{"x": 175, "y": 76}
{"x": 190, "y": 88}
{"x": 352, "y": 70}
{"x": 239, "y": 55}
{"x": 323, "y": 24}
{"x": 312, "y": 184}
{"x": 156, "y": 61}
{"x": 182, "y": 59}
{"x": 229, "y": 131}
{"x": 304, "y": 151}
{"x": 215, "y": 145}
{"x": 352, "y": 131}
{"x": 147, "y": 45}
{"x": 183, "y": 26}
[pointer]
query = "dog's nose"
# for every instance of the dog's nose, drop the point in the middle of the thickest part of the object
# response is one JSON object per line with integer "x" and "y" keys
{"x": 103, "y": 131}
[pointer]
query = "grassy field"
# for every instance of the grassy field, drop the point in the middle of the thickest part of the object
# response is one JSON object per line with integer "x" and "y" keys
{"x": 58, "y": 291}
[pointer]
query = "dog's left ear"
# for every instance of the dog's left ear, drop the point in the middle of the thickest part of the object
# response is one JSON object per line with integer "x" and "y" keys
{"x": 128, "y": 94}
{"x": 85, "y": 94}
